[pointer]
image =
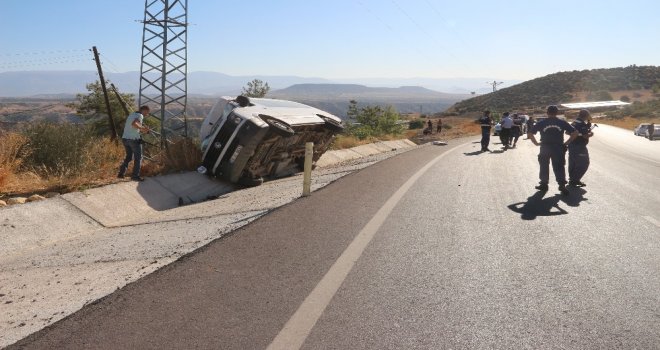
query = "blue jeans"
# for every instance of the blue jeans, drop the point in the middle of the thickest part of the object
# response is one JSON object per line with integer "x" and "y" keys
{"x": 554, "y": 153}
{"x": 133, "y": 152}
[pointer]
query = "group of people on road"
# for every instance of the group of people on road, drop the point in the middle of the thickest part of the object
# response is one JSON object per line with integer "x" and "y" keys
{"x": 553, "y": 146}
{"x": 512, "y": 128}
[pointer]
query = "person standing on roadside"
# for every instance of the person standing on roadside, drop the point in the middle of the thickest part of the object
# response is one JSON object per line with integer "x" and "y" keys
{"x": 552, "y": 145}
{"x": 578, "y": 156}
{"x": 439, "y": 127}
{"x": 486, "y": 123}
{"x": 132, "y": 140}
{"x": 651, "y": 130}
{"x": 516, "y": 130}
{"x": 505, "y": 133}
{"x": 530, "y": 123}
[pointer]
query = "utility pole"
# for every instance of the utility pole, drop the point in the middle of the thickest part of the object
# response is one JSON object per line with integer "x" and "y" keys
{"x": 163, "y": 73}
{"x": 494, "y": 84}
{"x": 113, "y": 129}
{"x": 121, "y": 100}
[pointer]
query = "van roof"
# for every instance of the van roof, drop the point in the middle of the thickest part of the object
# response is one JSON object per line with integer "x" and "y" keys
{"x": 288, "y": 111}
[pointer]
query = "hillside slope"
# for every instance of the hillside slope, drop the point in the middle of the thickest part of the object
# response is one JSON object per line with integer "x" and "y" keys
{"x": 562, "y": 87}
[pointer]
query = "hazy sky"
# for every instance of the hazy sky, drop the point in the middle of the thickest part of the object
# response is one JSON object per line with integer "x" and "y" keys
{"x": 344, "y": 38}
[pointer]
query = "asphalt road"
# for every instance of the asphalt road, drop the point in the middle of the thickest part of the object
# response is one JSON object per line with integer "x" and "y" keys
{"x": 441, "y": 247}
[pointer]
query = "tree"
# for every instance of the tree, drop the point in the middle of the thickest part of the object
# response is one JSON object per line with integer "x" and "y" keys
{"x": 373, "y": 121}
{"x": 256, "y": 88}
{"x": 91, "y": 107}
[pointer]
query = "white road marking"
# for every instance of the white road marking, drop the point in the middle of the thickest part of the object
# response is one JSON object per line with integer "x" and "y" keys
{"x": 299, "y": 326}
{"x": 652, "y": 220}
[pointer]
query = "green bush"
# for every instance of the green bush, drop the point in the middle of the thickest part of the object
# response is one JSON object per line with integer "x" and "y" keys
{"x": 372, "y": 121}
{"x": 58, "y": 149}
{"x": 416, "y": 124}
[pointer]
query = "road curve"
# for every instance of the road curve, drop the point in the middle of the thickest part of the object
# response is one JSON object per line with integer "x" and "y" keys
{"x": 467, "y": 256}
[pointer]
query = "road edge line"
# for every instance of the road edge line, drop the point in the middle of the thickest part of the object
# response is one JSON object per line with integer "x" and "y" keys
{"x": 300, "y": 325}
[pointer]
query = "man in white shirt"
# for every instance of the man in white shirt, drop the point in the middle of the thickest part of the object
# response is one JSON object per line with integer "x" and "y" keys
{"x": 132, "y": 140}
{"x": 507, "y": 124}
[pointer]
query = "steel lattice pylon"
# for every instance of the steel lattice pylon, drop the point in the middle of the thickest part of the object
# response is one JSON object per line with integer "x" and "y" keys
{"x": 163, "y": 73}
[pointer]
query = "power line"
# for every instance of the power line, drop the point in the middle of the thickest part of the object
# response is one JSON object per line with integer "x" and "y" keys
{"x": 406, "y": 40}
{"x": 41, "y": 58}
{"x": 428, "y": 35}
{"x": 113, "y": 67}
{"x": 43, "y": 52}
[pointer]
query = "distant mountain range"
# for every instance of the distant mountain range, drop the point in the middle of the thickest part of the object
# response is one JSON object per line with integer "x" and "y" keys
{"x": 332, "y": 96}
{"x": 335, "y": 98}
{"x": 33, "y": 83}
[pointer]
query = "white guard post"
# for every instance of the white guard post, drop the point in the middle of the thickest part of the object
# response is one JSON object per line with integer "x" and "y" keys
{"x": 307, "y": 181}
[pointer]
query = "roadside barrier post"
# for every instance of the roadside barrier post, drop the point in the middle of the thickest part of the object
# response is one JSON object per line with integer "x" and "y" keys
{"x": 307, "y": 181}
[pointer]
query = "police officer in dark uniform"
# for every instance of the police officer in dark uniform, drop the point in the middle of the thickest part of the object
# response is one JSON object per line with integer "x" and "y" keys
{"x": 578, "y": 156}
{"x": 486, "y": 123}
{"x": 552, "y": 145}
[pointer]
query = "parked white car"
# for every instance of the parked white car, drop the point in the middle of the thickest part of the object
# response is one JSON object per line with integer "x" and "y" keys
{"x": 640, "y": 130}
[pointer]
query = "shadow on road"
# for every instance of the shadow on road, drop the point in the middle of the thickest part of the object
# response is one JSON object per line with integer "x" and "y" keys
{"x": 536, "y": 206}
{"x": 576, "y": 196}
{"x": 475, "y": 153}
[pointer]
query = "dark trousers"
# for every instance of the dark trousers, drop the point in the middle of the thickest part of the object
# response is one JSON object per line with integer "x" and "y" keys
{"x": 578, "y": 162}
{"x": 505, "y": 136}
{"x": 556, "y": 155}
{"x": 485, "y": 138}
{"x": 133, "y": 152}
{"x": 515, "y": 134}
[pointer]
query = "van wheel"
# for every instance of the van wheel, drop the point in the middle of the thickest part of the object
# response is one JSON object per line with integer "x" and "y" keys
{"x": 332, "y": 124}
{"x": 279, "y": 127}
{"x": 250, "y": 182}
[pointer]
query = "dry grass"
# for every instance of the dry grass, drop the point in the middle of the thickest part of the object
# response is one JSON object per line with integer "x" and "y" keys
{"x": 345, "y": 141}
{"x": 182, "y": 154}
{"x": 97, "y": 166}
{"x": 625, "y": 123}
{"x": 100, "y": 162}
{"x": 12, "y": 147}
{"x": 634, "y": 95}
{"x": 453, "y": 128}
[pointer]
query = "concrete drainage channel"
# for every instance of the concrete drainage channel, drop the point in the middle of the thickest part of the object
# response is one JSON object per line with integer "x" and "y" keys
{"x": 62, "y": 253}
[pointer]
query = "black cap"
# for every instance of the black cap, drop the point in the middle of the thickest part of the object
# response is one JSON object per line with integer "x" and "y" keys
{"x": 552, "y": 109}
{"x": 583, "y": 113}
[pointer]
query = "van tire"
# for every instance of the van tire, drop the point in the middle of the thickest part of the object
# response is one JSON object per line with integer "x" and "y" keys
{"x": 279, "y": 127}
{"x": 332, "y": 124}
